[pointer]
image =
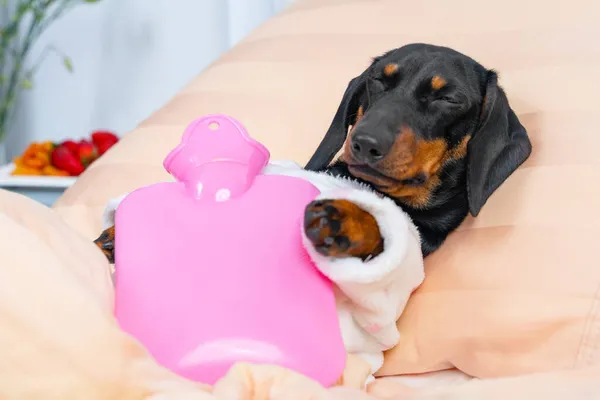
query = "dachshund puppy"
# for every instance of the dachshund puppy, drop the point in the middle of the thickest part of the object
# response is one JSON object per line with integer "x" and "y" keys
{"x": 432, "y": 130}
{"x": 427, "y": 135}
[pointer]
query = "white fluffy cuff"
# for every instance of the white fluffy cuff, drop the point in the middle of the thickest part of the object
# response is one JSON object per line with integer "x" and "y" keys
{"x": 396, "y": 228}
{"x": 108, "y": 217}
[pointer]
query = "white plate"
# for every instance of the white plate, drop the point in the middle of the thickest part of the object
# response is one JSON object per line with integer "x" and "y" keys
{"x": 50, "y": 182}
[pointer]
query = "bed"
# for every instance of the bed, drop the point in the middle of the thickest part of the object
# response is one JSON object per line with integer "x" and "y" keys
{"x": 511, "y": 304}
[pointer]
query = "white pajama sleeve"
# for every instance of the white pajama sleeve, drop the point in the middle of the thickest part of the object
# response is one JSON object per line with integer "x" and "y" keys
{"x": 373, "y": 293}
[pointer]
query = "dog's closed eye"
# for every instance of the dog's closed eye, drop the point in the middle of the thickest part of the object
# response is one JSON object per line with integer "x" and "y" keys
{"x": 433, "y": 97}
{"x": 447, "y": 99}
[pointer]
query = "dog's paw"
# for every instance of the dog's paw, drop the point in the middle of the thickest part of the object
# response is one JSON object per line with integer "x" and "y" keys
{"x": 340, "y": 228}
{"x": 106, "y": 243}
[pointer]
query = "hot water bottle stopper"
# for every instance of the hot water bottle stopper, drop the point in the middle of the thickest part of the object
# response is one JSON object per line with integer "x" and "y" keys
{"x": 211, "y": 269}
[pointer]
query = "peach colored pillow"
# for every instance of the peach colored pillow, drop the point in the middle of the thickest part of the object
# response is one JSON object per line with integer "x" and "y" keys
{"x": 517, "y": 289}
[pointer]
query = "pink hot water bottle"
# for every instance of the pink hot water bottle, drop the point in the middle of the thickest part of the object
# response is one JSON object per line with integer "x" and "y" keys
{"x": 211, "y": 270}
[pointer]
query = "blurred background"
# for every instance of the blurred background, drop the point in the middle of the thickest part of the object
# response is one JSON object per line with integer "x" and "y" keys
{"x": 128, "y": 57}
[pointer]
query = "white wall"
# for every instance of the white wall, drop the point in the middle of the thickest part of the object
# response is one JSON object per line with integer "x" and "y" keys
{"x": 129, "y": 57}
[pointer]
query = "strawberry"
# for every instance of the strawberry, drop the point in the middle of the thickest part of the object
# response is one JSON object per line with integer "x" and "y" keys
{"x": 71, "y": 145}
{"x": 87, "y": 153}
{"x": 101, "y": 136}
{"x": 104, "y": 140}
{"x": 103, "y": 147}
{"x": 62, "y": 158}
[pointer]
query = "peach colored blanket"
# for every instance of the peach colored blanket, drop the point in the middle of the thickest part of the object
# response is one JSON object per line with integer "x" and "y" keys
{"x": 58, "y": 339}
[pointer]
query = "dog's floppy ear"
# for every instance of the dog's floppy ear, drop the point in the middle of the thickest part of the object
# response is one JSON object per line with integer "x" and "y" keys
{"x": 338, "y": 130}
{"x": 498, "y": 147}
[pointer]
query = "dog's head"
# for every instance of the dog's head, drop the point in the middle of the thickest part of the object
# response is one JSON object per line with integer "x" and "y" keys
{"x": 418, "y": 109}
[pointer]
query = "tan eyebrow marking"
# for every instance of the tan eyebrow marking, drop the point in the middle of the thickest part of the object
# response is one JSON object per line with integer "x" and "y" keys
{"x": 437, "y": 82}
{"x": 390, "y": 69}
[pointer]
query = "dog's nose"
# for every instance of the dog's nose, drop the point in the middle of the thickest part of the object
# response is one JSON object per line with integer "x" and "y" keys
{"x": 368, "y": 149}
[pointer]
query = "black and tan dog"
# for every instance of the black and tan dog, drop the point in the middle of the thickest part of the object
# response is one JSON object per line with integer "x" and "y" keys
{"x": 431, "y": 129}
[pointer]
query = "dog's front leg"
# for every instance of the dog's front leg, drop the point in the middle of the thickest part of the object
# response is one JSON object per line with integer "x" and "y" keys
{"x": 340, "y": 228}
{"x": 106, "y": 243}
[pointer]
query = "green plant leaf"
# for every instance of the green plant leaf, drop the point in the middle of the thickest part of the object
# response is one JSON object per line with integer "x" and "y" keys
{"x": 68, "y": 64}
{"x": 21, "y": 8}
{"x": 38, "y": 15}
{"x": 10, "y": 31}
{"x": 26, "y": 84}
{"x": 91, "y": 1}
